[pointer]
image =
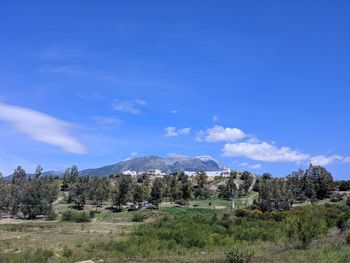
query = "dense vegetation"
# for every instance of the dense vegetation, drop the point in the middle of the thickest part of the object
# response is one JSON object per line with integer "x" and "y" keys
{"x": 286, "y": 219}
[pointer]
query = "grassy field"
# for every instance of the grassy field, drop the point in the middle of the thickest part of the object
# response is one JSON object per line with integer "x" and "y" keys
{"x": 197, "y": 233}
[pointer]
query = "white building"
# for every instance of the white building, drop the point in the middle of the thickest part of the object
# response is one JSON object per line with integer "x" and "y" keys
{"x": 224, "y": 172}
{"x": 128, "y": 172}
{"x": 155, "y": 172}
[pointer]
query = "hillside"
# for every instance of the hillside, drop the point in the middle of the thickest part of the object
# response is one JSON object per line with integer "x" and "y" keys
{"x": 174, "y": 163}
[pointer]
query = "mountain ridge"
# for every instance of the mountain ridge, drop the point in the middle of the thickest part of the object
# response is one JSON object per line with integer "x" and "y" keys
{"x": 172, "y": 163}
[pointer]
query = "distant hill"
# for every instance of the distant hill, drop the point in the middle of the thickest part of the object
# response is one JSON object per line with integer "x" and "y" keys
{"x": 173, "y": 163}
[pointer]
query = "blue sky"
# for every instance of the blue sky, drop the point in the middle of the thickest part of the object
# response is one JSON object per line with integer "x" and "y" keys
{"x": 258, "y": 85}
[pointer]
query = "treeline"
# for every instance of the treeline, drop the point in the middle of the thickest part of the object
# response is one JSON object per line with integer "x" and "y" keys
{"x": 312, "y": 184}
{"x": 26, "y": 196}
{"x": 122, "y": 189}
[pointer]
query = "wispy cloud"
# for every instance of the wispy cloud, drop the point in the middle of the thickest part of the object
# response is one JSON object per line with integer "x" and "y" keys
{"x": 251, "y": 166}
{"x": 170, "y": 132}
{"x": 263, "y": 151}
{"x": 131, "y": 106}
{"x": 215, "y": 118}
{"x": 323, "y": 160}
{"x": 174, "y": 111}
{"x": 41, "y": 127}
{"x": 173, "y": 131}
{"x": 219, "y": 133}
{"x": 106, "y": 121}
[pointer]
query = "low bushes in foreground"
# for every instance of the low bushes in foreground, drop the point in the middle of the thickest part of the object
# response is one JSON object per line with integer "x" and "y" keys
{"x": 180, "y": 231}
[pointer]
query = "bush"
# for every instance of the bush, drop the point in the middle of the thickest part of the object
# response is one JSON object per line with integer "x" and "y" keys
{"x": 139, "y": 217}
{"x": 257, "y": 214}
{"x": 304, "y": 226}
{"x": 241, "y": 213}
{"x": 92, "y": 213}
{"x": 67, "y": 252}
{"x": 74, "y": 216}
{"x": 236, "y": 255}
{"x": 51, "y": 215}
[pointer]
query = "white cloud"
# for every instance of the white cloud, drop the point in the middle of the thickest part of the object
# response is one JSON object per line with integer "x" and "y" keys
{"x": 134, "y": 153}
{"x": 255, "y": 166}
{"x": 131, "y": 106}
{"x": 170, "y": 132}
{"x": 174, "y": 111}
{"x": 215, "y": 118}
{"x": 347, "y": 159}
{"x": 323, "y": 160}
{"x": 184, "y": 131}
{"x": 250, "y": 166}
{"x": 173, "y": 131}
{"x": 263, "y": 151}
{"x": 243, "y": 164}
{"x": 41, "y": 127}
{"x": 219, "y": 133}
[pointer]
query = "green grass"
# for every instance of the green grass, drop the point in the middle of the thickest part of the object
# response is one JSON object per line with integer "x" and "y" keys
{"x": 185, "y": 234}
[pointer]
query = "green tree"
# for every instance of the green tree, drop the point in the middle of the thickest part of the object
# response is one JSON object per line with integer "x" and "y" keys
{"x": 16, "y": 189}
{"x": 157, "y": 191}
{"x": 99, "y": 188}
{"x": 35, "y": 199}
{"x": 38, "y": 172}
{"x": 122, "y": 191}
{"x": 78, "y": 191}
{"x": 228, "y": 190}
{"x": 66, "y": 180}
{"x": 5, "y": 197}
{"x": 266, "y": 176}
{"x": 186, "y": 188}
{"x": 201, "y": 191}
{"x": 175, "y": 188}
{"x": 248, "y": 181}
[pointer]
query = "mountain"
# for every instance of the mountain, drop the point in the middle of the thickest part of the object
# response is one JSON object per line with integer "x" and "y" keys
{"x": 173, "y": 163}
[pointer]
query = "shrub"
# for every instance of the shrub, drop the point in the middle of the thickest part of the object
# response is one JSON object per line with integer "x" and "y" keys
{"x": 139, "y": 217}
{"x": 67, "y": 252}
{"x": 74, "y": 216}
{"x": 241, "y": 213}
{"x": 236, "y": 255}
{"x": 92, "y": 213}
{"x": 257, "y": 214}
{"x": 276, "y": 215}
{"x": 51, "y": 215}
{"x": 304, "y": 226}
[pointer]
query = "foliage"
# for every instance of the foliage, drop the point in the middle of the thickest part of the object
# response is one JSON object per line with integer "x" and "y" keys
{"x": 139, "y": 217}
{"x": 304, "y": 225}
{"x": 228, "y": 190}
{"x": 237, "y": 255}
{"x": 75, "y": 216}
{"x": 180, "y": 230}
{"x": 157, "y": 191}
